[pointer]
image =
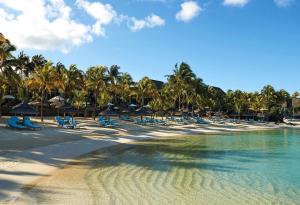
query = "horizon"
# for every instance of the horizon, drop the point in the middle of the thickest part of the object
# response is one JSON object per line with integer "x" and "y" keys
{"x": 231, "y": 44}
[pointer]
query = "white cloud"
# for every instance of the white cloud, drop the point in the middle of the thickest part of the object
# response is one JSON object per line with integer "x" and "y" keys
{"x": 237, "y": 3}
{"x": 104, "y": 14}
{"x": 48, "y": 24}
{"x": 149, "y": 22}
{"x": 283, "y": 3}
{"x": 41, "y": 25}
{"x": 189, "y": 10}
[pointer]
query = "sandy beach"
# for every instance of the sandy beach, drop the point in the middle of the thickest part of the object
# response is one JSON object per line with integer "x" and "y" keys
{"x": 27, "y": 156}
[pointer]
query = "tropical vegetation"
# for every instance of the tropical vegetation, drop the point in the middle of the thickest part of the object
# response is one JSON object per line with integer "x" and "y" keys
{"x": 37, "y": 79}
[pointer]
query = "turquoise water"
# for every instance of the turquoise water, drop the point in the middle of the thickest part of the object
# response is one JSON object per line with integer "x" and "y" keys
{"x": 266, "y": 161}
{"x": 242, "y": 168}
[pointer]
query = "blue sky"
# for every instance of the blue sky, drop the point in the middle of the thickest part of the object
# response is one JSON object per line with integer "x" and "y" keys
{"x": 237, "y": 44}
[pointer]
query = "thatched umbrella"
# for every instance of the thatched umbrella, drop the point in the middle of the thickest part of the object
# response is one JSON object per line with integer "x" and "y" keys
{"x": 8, "y": 97}
{"x": 161, "y": 113}
{"x": 67, "y": 108}
{"x": 143, "y": 111}
{"x": 23, "y": 109}
{"x": 108, "y": 112}
{"x": 132, "y": 106}
{"x": 38, "y": 103}
{"x": 56, "y": 99}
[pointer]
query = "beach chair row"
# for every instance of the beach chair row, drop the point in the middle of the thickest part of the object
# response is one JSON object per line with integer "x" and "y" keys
{"x": 15, "y": 123}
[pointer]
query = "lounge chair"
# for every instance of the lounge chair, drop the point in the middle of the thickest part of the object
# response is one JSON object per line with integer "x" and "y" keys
{"x": 28, "y": 123}
{"x": 126, "y": 118}
{"x": 102, "y": 121}
{"x": 160, "y": 122}
{"x": 113, "y": 123}
{"x": 12, "y": 122}
{"x": 200, "y": 121}
{"x": 149, "y": 120}
{"x": 64, "y": 123}
{"x": 73, "y": 122}
{"x": 59, "y": 121}
{"x": 67, "y": 119}
{"x": 140, "y": 122}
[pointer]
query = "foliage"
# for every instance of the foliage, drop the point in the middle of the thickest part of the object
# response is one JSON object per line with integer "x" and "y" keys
{"x": 36, "y": 78}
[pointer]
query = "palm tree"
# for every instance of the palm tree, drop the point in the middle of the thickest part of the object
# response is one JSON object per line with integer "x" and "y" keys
{"x": 126, "y": 84}
{"x": 145, "y": 88}
{"x": 104, "y": 98}
{"x": 79, "y": 98}
{"x": 180, "y": 80}
{"x": 269, "y": 95}
{"x": 295, "y": 94}
{"x": 74, "y": 80}
{"x": 6, "y": 49}
{"x": 43, "y": 79}
{"x": 2, "y": 91}
{"x": 23, "y": 65}
{"x": 96, "y": 82}
{"x": 239, "y": 101}
{"x": 114, "y": 80}
{"x": 60, "y": 76}
{"x": 216, "y": 97}
{"x": 38, "y": 61}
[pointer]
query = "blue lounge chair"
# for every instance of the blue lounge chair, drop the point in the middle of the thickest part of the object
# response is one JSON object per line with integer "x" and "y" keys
{"x": 59, "y": 121}
{"x": 64, "y": 123}
{"x": 73, "y": 122}
{"x": 200, "y": 121}
{"x": 67, "y": 119}
{"x": 126, "y": 118}
{"x": 13, "y": 123}
{"x": 102, "y": 121}
{"x": 140, "y": 122}
{"x": 28, "y": 123}
{"x": 161, "y": 122}
{"x": 113, "y": 123}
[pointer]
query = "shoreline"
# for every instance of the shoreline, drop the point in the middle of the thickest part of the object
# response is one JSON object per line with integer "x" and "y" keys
{"x": 22, "y": 169}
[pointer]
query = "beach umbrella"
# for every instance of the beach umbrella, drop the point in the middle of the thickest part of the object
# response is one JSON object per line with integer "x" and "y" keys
{"x": 161, "y": 113}
{"x": 132, "y": 105}
{"x": 37, "y": 103}
{"x": 142, "y": 111}
{"x": 108, "y": 112}
{"x": 8, "y": 97}
{"x": 64, "y": 106}
{"x": 67, "y": 108}
{"x": 147, "y": 106}
{"x": 23, "y": 109}
{"x": 126, "y": 111}
{"x": 56, "y": 99}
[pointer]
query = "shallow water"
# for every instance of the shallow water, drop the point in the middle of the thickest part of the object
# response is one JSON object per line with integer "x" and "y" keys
{"x": 242, "y": 168}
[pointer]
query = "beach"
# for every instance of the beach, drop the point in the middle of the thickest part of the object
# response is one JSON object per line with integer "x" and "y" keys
{"x": 27, "y": 156}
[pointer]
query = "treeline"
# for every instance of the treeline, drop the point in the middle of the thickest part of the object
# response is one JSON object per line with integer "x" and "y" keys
{"x": 36, "y": 79}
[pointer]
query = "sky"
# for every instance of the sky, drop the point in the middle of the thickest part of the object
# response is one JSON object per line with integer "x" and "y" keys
{"x": 232, "y": 44}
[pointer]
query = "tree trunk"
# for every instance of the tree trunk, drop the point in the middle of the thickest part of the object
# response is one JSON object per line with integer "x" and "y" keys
{"x": 95, "y": 106}
{"x": 42, "y": 102}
